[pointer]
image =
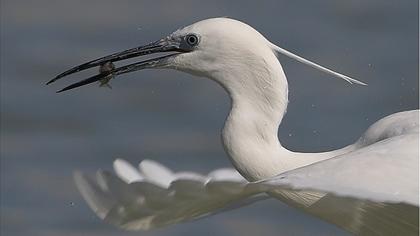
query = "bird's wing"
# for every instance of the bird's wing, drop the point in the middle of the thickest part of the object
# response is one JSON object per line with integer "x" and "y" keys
{"x": 153, "y": 196}
{"x": 397, "y": 124}
{"x": 371, "y": 191}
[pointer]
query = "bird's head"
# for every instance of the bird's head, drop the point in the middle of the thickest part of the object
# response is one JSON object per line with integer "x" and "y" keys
{"x": 211, "y": 48}
{"x": 218, "y": 45}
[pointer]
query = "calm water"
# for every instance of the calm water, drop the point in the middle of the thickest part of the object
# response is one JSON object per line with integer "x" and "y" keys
{"x": 174, "y": 118}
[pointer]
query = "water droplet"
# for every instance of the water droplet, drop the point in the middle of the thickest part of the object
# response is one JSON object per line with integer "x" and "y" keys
{"x": 140, "y": 200}
{"x": 121, "y": 210}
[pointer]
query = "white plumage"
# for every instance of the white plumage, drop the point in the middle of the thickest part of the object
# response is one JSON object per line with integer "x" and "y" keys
{"x": 369, "y": 187}
{"x": 371, "y": 191}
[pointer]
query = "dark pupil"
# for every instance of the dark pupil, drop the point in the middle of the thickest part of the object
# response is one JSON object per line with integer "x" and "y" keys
{"x": 192, "y": 40}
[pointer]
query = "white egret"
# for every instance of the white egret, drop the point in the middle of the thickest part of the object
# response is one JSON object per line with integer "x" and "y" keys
{"x": 369, "y": 187}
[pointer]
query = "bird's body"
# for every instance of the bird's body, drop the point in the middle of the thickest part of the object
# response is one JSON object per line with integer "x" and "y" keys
{"x": 380, "y": 168}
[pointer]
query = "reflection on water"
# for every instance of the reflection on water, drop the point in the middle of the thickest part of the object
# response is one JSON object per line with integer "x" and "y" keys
{"x": 170, "y": 117}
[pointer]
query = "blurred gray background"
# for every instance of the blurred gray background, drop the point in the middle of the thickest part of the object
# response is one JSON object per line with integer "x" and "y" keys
{"x": 174, "y": 118}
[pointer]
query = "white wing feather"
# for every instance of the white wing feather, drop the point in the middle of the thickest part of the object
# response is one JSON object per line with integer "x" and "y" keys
{"x": 154, "y": 196}
{"x": 370, "y": 191}
{"x": 384, "y": 171}
{"x": 373, "y": 190}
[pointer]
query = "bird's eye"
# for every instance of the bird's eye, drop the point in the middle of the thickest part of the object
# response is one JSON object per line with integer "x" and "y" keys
{"x": 192, "y": 39}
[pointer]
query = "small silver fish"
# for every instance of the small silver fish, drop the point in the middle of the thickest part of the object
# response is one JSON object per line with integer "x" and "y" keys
{"x": 106, "y": 68}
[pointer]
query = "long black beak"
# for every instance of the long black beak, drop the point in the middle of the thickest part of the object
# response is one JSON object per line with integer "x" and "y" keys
{"x": 163, "y": 45}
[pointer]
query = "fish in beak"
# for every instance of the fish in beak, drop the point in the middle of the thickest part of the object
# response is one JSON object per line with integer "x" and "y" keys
{"x": 107, "y": 70}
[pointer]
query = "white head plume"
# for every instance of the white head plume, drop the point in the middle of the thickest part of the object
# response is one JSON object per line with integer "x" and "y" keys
{"x": 314, "y": 65}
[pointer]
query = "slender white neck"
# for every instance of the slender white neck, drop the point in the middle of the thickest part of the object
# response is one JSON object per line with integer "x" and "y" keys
{"x": 259, "y": 102}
